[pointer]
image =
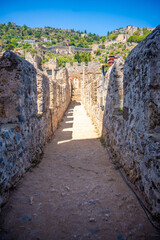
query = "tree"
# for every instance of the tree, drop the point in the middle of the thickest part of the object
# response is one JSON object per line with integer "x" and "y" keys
{"x": 97, "y": 53}
{"x": 26, "y": 46}
{"x": 103, "y": 39}
{"x": 102, "y": 46}
{"x": 111, "y": 53}
{"x": 105, "y": 60}
{"x": 9, "y": 46}
{"x": 77, "y": 57}
{"x": 9, "y": 25}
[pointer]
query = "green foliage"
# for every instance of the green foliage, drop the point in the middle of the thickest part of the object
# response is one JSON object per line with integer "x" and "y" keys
{"x": 103, "y": 39}
{"x": 111, "y": 52}
{"x": 117, "y": 52}
{"x": 146, "y": 31}
{"x": 63, "y": 60}
{"x": 9, "y": 46}
{"x": 137, "y": 33}
{"x": 112, "y": 36}
{"x": 120, "y": 108}
{"x": 119, "y": 45}
{"x": 82, "y": 57}
{"x": 107, "y": 67}
{"x": 44, "y": 60}
{"x": 33, "y": 51}
{"x": 57, "y": 35}
{"x": 102, "y": 140}
{"x": 97, "y": 52}
{"x": 106, "y": 59}
{"x": 26, "y": 46}
{"x": 102, "y": 46}
{"x": 124, "y": 47}
{"x": 53, "y": 42}
{"x": 71, "y": 43}
{"x": 137, "y": 38}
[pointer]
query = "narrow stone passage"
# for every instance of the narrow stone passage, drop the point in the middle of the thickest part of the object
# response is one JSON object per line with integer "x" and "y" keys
{"x": 74, "y": 193}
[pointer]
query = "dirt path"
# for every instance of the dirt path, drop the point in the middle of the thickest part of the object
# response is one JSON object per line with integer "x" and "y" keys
{"x": 74, "y": 193}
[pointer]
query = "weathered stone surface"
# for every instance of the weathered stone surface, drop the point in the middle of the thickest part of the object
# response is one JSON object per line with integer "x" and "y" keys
{"x": 133, "y": 135}
{"x": 63, "y": 49}
{"x": 131, "y": 118}
{"x": 125, "y": 106}
{"x": 29, "y": 114}
{"x": 88, "y": 80}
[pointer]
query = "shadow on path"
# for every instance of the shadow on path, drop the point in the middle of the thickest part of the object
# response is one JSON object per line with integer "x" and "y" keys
{"x": 74, "y": 193}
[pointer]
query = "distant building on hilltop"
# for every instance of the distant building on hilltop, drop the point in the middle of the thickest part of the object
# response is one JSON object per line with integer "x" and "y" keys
{"x": 46, "y": 39}
{"x": 122, "y": 37}
{"x": 29, "y": 41}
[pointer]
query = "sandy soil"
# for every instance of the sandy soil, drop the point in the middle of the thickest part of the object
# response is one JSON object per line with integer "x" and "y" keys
{"x": 74, "y": 193}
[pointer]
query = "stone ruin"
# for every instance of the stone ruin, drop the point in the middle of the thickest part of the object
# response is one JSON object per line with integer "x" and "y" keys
{"x": 59, "y": 49}
{"x": 130, "y": 122}
{"x": 125, "y": 108}
{"x": 32, "y": 104}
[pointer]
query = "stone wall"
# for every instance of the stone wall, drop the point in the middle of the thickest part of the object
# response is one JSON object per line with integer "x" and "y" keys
{"x": 63, "y": 49}
{"x": 89, "y": 80}
{"x": 31, "y": 105}
{"x": 131, "y": 126}
{"x": 130, "y": 121}
{"x": 91, "y": 91}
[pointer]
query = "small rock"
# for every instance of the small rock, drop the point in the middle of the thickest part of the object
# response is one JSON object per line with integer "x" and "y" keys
{"x": 67, "y": 188}
{"x": 118, "y": 194}
{"x": 91, "y": 201}
{"x": 92, "y": 220}
{"x": 53, "y": 190}
{"x": 94, "y": 230}
{"x": 31, "y": 200}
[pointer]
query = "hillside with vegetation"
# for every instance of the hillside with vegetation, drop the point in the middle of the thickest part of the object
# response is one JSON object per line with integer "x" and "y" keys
{"x": 119, "y": 42}
{"x": 12, "y": 36}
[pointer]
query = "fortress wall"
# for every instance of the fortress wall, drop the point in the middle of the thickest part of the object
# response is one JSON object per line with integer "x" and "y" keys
{"x": 131, "y": 126}
{"x": 64, "y": 49}
{"x": 29, "y": 115}
{"x": 90, "y": 89}
{"x": 127, "y": 111}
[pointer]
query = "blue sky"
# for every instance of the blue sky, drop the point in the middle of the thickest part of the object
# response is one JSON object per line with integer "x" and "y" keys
{"x": 94, "y": 16}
